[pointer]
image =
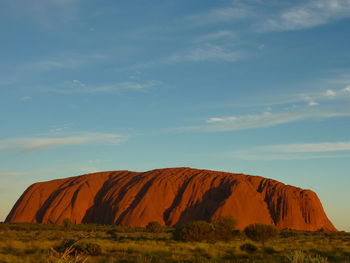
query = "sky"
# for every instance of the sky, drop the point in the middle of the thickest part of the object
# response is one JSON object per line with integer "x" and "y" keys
{"x": 255, "y": 87}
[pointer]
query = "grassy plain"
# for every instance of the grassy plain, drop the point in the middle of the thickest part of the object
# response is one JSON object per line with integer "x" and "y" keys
{"x": 35, "y": 243}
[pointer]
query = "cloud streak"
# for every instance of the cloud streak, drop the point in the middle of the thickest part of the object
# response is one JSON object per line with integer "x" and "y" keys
{"x": 296, "y": 151}
{"x": 217, "y": 36}
{"x": 203, "y": 53}
{"x": 218, "y": 15}
{"x": 309, "y": 147}
{"x": 78, "y": 87}
{"x": 209, "y": 52}
{"x": 45, "y": 13}
{"x": 280, "y": 157}
{"x": 265, "y": 119}
{"x": 10, "y": 174}
{"x": 307, "y": 15}
{"x": 31, "y": 144}
{"x": 66, "y": 61}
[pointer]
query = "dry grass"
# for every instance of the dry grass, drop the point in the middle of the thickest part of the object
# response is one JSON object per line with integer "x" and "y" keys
{"x": 33, "y": 244}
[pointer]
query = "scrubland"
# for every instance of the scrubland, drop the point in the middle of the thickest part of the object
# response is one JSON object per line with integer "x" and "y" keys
{"x": 36, "y": 243}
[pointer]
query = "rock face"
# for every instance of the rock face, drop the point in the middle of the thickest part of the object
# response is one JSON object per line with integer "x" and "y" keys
{"x": 170, "y": 196}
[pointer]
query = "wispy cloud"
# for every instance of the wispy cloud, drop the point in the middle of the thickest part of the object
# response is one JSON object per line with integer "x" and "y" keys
{"x": 63, "y": 62}
{"x": 298, "y": 151}
{"x": 57, "y": 130}
{"x": 313, "y": 103}
{"x": 89, "y": 170}
{"x": 30, "y": 144}
{"x": 309, "y": 147}
{"x": 330, "y": 93}
{"x": 309, "y": 14}
{"x": 208, "y": 52}
{"x": 307, "y": 98}
{"x": 202, "y": 53}
{"x": 218, "y": 35}
{"x": 218, "y": 15}
{"x": 265, "y": 119}
{"x": 26, "y": 98}
{"x": 5, "y": 174}
{"x": 45, "y": 13}
{"x": 245, "y": 155}
{"x": 84, "y": 167}
{"x": 78, "y": 87}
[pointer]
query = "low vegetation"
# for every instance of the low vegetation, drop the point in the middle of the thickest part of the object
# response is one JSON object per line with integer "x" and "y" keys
{"x": 261, "y": 232}
{"x": 219, "y": 230}
{"x": 200, "y": 242}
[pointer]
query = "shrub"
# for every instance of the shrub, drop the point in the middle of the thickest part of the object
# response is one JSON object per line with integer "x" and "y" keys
{"x": 67, "y": 224}
{"x": 90, "y": 249}
{"x": 249, "y": 248}
{"x": 224, "y": 228}
{"x": 154, "y": 227}
{"x": 269, "y": 250}
{"x": 112, "y": 234}
{"x": 261, "y": 232}
{"x": 194, "y": 231}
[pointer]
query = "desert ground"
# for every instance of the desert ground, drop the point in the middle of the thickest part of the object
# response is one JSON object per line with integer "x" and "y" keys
{"x": 48, "y": 243}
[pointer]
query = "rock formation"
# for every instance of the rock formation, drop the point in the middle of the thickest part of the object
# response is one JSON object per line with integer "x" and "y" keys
{"x": 170, "y": 196}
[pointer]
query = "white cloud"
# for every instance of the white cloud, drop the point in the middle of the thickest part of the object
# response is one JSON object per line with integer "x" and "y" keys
{"x": 330, "y": 93}
{"x": 56, "y": 130}
{"x": 26, "y": 98}
{"x": 138, "y": 85}
{"x": 63, "y": 62}
{"x": 225, "y": 119}
{"x": 218, "y": 15}
{"x": 213, "y": 53}
{"x": 311, "y": 98}
{"x": 347, "y": 88}
{"x": 78, "y": 87}
{"x": 208, "y": 53}
{"x": 309, "y": 147}
{"x": 309, "y": 14}
{"x": 313, "y": 103}
{"x": 45, "y": 13}
{"x": 215, "y": 119}
{"x": 87, "y": 170}
{"x": 29, "y": 144}
{"x": 278, "y": 156}
{"x": 12, "y": 174}
{"x": 298, "y": 151}
{"x": 219, "y": 35}
{"x": 265, "y": 119}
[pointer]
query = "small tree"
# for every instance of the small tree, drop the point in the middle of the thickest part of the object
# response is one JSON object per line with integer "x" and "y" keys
{"x": 194, "y": 231}
{"x": 261, "y": 232}
{"x": 154, "y": 227}
{"x": 224, "y": 228}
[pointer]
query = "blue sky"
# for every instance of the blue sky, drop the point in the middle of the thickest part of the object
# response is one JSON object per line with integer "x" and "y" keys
{"x": 256, "y": 87}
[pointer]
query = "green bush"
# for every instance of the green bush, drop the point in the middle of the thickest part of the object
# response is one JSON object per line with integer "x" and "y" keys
{"x": 154, "y": 227}
{"x": 261, "y": 232}
{"x": 248, "y": 247}
{"x": 85, "y": 248}
{"x": 224, "y": 228}
{"x": 194, "y": 231}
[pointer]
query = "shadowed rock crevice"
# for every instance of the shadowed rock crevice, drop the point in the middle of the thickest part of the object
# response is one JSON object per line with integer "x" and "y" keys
{"x": 205, "y": 209}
